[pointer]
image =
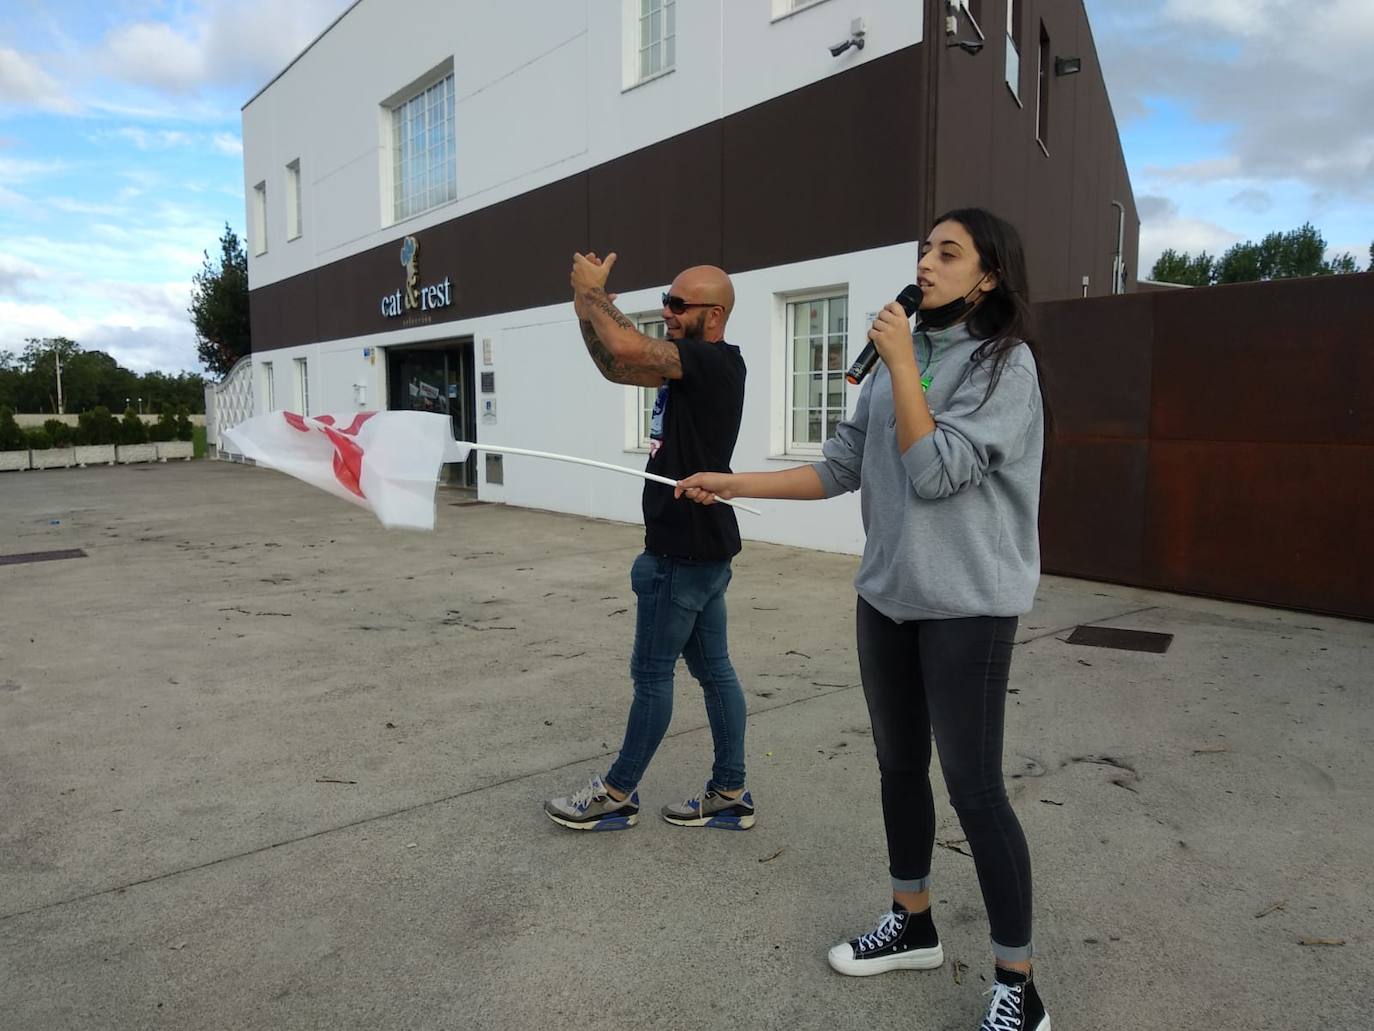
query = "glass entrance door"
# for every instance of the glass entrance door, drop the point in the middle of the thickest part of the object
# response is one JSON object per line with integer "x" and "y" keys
{"x": 438, "y": 378}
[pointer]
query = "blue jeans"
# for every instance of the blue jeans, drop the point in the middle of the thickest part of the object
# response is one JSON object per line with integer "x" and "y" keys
{"x": 681, "y": 611}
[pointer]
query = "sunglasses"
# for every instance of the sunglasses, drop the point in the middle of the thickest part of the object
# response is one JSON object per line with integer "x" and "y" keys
{"x": 677, "y": 305}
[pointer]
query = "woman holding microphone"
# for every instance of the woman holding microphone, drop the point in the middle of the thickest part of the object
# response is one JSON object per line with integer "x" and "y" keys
{"x": 945, "y": 445}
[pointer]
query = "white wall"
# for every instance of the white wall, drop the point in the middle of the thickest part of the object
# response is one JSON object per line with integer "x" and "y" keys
{"x": 539, "y": 96}
{"x": 549, "y": 396}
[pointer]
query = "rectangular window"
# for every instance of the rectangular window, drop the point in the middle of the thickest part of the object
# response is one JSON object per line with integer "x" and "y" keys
{"x": 656, "y": 34}
{"x": 302, "y": 386}
{"x": 293, "y": 199}
{"x": 650, "y": 326}
{"x": 423, "y": 153}
{"x": 817, "y": 334}
{"x": 1014, "y": 49}
{"x": 269, "y": 388}
{"x": 259, "y": 216}
{"x": 1042, "y": 92}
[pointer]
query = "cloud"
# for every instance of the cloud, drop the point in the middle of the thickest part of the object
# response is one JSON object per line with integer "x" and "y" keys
{"x": 24, "y": 84}
{"x": 235, "y": 43}
{"x": 15, "y": 273}
{"x": 1151, "y": 206}
{"x": 1253, "y": 200}
{"x": 154, "y": 139}
{"x": 1163, "y": 226}
{"x": 1291, "y": 83}
{"x": 157, "y": 55}
{"x": 17, "y": 170}
{"x": 227, "y": 143}
{"x": 142, "y": 326}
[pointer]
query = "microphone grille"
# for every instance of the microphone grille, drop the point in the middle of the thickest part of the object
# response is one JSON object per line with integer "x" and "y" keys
{"x": 910, "y": 298}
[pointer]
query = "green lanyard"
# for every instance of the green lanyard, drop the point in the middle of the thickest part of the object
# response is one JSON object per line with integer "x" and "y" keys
{"x": 927, "y": 375}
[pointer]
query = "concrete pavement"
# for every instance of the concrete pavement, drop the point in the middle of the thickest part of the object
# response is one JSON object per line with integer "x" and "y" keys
{"x": 266, "y": 765}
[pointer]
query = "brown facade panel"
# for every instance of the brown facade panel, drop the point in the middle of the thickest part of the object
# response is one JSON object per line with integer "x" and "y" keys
{"x": 988, "y": 154}
{"x": 1277, "y": 524}
{"x": 1092, "y": 512}
{"x": 659, "y": 208}
{"x": 282, "y": 314}
{"x": 834, "y": 167}
{"x": 1282, "y": 361}
{"x": 746, "y": 192}
{"x": 517, "y": 254}
{"x": 1096, "y": 364}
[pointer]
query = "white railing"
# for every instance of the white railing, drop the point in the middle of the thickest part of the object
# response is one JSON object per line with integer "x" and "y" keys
{"x": 228, "y": 403}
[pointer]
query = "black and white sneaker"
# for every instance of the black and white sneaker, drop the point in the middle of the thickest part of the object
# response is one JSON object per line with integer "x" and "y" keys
{"x": 593, "y": 809}
{"x": 901, "y": 941}
{"x": 1015, "y": 1004}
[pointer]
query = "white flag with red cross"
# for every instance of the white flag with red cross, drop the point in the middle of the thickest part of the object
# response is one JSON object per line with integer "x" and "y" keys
{"x": 387, "y": 462}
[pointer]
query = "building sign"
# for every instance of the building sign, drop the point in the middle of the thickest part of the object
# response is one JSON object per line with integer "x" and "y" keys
{"x": 414, "y": 297}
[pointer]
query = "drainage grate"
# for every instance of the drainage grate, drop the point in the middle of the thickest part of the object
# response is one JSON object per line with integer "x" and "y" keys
{"x": 40, "y": 556}
{"x": 1126, "y": 640}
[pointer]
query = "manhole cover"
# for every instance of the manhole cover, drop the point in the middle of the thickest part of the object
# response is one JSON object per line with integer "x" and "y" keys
{"x": 1126, "y": 640}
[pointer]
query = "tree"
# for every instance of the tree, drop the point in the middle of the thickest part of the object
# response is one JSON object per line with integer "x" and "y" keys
{"x": 1173, "y": 267}
{"x": 36, "y": 387}
{"x": 219, "y": 306}
{"x": 132, "y": 429}
{"x": 1299, "y": 252}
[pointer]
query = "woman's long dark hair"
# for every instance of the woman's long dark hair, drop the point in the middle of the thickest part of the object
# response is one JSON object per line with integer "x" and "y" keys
{"x": 1002, "y": 319}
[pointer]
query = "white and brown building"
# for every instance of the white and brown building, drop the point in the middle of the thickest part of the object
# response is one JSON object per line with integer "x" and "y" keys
{"x": 419, "y": 177}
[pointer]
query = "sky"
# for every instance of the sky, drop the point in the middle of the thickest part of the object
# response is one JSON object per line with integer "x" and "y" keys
{"x": 121, "y": 149}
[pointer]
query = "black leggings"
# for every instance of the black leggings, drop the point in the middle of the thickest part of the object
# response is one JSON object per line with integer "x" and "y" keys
{"x": 948, "y": 676}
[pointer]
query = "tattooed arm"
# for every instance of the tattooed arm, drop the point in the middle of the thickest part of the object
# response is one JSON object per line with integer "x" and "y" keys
{"x": 621, "y": 352}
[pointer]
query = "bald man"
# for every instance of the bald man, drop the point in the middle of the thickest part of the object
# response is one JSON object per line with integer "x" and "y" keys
{"x": 680, "y": 579}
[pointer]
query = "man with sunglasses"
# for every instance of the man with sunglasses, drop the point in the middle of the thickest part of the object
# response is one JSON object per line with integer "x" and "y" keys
{"x": 680, "y": 579}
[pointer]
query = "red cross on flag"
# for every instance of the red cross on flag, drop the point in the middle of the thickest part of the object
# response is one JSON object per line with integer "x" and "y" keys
{"x": 387, "y": 462}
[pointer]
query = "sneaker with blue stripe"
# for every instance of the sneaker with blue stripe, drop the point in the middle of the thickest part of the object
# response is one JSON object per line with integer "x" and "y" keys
{"x": 593, "y": 809}
{"x": 712, "y": 809}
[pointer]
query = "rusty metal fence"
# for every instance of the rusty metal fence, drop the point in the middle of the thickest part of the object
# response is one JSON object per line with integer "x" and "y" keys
{"x": 1216, "y": 441}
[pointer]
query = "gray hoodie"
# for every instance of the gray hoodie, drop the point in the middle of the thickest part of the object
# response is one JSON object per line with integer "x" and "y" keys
{"x": 951, "y": 524}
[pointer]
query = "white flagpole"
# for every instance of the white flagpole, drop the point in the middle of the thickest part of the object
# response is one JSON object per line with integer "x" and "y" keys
{"x": 457, "y": 451}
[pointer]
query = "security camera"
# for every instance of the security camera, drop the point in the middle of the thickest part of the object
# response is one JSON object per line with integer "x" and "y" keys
{"x": 857, "y": 42}
{"x": 968, "y": 46}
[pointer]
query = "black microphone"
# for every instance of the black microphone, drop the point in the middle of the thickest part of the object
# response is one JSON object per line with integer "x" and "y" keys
{"x": 910, "y": 300}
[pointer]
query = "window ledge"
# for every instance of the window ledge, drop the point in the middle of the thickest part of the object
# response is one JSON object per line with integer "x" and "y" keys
{"x": 1014, "y": 95}
{"x": 636, "y": 451}
{"x": 649, "y": 78}
{"x": 795, "y": 459}
{"x": 796, "y": 10}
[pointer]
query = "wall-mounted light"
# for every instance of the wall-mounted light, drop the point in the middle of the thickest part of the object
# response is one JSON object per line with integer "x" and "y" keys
{"x": 1068, "y": 65}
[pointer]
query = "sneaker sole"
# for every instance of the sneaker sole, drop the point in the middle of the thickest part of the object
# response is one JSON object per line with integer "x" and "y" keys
{"x": 609, "y": 823}
{"x": 725, "y": 823}
{"x": 915, "y": 959}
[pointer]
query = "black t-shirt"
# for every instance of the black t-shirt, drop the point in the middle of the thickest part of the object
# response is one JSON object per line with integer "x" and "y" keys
{"x": 695, "y": 425}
